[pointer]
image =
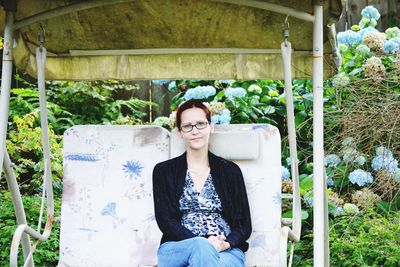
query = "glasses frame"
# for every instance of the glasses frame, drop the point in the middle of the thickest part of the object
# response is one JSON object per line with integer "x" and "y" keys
{"x": 195, "y": 125}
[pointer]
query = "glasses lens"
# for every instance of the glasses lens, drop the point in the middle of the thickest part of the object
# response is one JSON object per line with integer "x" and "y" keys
{"x": 187, "y": 128}
{"x": 201, "y": 125}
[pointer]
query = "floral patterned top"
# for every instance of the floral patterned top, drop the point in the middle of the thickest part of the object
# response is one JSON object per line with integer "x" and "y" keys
{"x": 202, "y": 211}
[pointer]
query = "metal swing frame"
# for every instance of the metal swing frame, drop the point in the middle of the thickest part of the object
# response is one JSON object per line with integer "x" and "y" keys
{"x": 23, "y": 232}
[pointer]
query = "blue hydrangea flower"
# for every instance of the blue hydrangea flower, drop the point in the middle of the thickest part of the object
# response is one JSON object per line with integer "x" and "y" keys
{"x": 385, "y": 162}
{"x": 255, "y": 88}
{"x": 365, "y": 23}
{"x": 397, "y": 176}
{"x": 383, "y": 151}
{"x": 349, "y": 155}
{"x": 160, "y": 82}
{"x": 330, "y": 182}
{"x": 338, "y": 211}
{"x": 350, "y": 208}
{"x": 343, "y": 48}
{"x": 235, "y": 92}
{"x": 229, "y": 82}
{"x": 200, "y": 92}
{"x": 285, "y": 173}
{"x": 392, "y": 45}
{"x": 370, "y": 12}
{"x": 360, "y": 177}
{"x": 171, "y": 86}
{"x": 340, "y": 80}
{"x": 362, "y": 48}
{"x": 360, "y": 160}
{"x": 349, "y": 38}
{"x": 364, "y": 31}
{"x": 161, "y": 121}
{"x": 309, "y": 198}
{"x": 392, "y": 32}
{"x": 348, "y": 141}
{"x": 223, "y": 118}
{"x": 332, "y": 160}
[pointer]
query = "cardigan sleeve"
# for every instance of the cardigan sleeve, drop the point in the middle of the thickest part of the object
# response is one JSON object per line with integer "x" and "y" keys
{"x": 241, "y": 220}
{"x": 165, "y": 208}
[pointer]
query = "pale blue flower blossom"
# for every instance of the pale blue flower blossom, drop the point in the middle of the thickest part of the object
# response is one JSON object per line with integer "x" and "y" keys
{"x": 309, "y": 198}
{"x": 362, "y": 48}
{"x": 348, "y": 141}
{"x": 330, "y": 182}
{"x": 229, "y": 82}
{"x": 223, "y": 118}
{"x": 370, "y": 12}
{"x": 383, "y": 151}
{"x": 381, "y": 162}
{"x": 133, "y": 169}
{"x": 397, "y": 176}
{"x": 160, "y": 82}
{"x": 233, "y": 92}
{"x": 364, "y": 31}
{"x": 255, "y": 88}
{"x": 340, "y": 80}
{"x": 349, "y": 38}
{"x": 360, "y": 160}
{"x": 343, "y": 48}
{"x": 160, "y": 121}
{"x": 285, "y": 173}
{"x": 349, "y": 155}
{"x": 392, "y": 32}
{"x": 171, "y": 86}
{"x": 332, "y": 160}
{"x": 365, "y": 23}
{"x": 360, "y": 177}
{"x": 200, "y": 92}
{"x": 350, "y": 208}
{"x": 392, "y": 45}
{"x": 338, "y": 211}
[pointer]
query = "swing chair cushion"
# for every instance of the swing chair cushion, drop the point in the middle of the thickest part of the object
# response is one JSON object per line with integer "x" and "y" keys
{"x": 107, "y": 207}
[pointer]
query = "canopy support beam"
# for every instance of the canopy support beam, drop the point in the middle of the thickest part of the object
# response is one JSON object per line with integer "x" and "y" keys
{"x": 321, "y": 246}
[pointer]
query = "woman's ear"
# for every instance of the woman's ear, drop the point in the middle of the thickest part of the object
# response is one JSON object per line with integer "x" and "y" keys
{"x": 212, "y": 127}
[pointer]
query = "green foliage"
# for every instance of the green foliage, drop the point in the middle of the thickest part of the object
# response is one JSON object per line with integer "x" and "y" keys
{"x": 24, "y": 146}
{"x": 46, "y": 253}
{"x": 363, "y": 239}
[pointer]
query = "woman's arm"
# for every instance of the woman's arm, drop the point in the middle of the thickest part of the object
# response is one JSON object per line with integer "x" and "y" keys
{"x": 241, "y": 223}
{"x": 165, "y": 206}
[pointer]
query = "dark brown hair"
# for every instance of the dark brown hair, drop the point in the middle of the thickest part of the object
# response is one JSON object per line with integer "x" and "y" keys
{"x": 193, "y": 103}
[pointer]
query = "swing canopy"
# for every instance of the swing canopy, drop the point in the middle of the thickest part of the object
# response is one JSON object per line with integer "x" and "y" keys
{"x": 180, "y": 39}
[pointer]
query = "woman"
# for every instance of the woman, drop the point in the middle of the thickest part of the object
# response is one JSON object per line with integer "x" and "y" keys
{"x": 200, "y": 200}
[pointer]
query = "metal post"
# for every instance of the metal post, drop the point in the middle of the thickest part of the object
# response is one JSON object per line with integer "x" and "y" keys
{"x": 320, "y": 240}
{"x": 18, "y": 205}
{"x": 6, "y": 74}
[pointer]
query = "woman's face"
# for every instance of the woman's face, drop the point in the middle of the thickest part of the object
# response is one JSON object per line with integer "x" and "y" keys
{"x": 195, "y": 138}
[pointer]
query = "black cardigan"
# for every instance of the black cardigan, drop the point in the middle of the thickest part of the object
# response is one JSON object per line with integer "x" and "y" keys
{"x": 168, "y": 182}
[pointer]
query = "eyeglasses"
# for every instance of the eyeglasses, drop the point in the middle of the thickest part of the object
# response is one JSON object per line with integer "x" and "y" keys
{"x": 189, "y": 127}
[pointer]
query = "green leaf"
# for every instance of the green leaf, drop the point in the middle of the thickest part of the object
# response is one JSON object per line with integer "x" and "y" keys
{"x": 306, "y": 185}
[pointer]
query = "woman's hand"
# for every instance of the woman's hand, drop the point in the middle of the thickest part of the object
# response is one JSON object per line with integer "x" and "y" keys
{"x": 219, "y": 242}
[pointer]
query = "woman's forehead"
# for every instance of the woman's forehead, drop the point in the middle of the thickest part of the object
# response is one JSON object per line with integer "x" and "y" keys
{"x": 193, "y": 114}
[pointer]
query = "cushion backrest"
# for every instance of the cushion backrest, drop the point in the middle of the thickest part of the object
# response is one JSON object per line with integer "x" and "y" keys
{"x": 107, "y": 205}
{"x": 256, "y": 149}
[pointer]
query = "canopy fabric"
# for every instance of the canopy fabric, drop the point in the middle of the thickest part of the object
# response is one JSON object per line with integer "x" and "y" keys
{"x": 175, "y": 39}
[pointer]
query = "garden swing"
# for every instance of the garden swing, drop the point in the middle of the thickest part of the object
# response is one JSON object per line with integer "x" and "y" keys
{"x": 107, "y": 200}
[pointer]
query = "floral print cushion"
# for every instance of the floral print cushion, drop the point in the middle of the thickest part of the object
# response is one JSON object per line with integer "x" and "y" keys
{"x": 107, "y": 204}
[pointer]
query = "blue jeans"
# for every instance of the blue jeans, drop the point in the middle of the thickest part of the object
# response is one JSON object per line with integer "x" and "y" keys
{"x": 197, "y": 252}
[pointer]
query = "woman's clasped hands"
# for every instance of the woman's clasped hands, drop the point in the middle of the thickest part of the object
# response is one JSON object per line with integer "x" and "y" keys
{"x": 219, "y": 242}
